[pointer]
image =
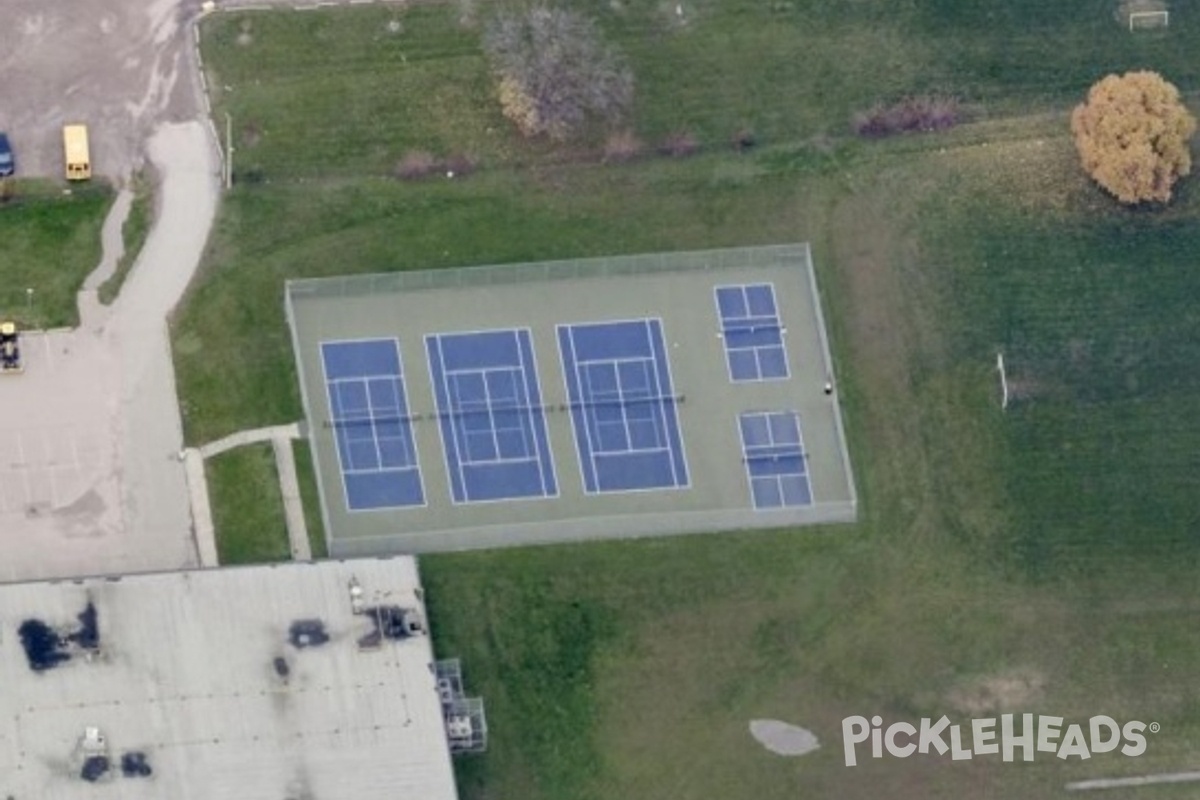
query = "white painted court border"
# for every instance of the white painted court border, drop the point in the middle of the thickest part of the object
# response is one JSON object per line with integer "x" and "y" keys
{"x": 724, "y": 325}
{"x": 654, "y": 330}
{"x": 766, "y": 416}
{"x": 346, "y": 469}
{"x": 547, "y": 470}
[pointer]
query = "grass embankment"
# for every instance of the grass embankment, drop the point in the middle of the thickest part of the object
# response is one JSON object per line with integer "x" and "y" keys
{"x": 1037, "y": 560}
{"x": 51, "y": 241}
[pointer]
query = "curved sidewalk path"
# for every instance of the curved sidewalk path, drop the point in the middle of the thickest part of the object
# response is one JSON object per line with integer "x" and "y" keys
{"x": 89, "y": 479}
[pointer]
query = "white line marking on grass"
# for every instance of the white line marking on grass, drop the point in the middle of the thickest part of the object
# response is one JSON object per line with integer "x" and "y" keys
{"x": 1143, "y": 780}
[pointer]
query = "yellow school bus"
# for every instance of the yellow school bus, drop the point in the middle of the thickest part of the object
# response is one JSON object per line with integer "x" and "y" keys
{"x": 75, "y": 149}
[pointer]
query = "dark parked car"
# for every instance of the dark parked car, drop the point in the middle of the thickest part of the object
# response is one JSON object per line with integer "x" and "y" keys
{"x": 7, "y": 164}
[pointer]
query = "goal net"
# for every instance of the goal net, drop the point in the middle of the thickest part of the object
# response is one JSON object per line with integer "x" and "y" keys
{"x": 1145, "y": 20}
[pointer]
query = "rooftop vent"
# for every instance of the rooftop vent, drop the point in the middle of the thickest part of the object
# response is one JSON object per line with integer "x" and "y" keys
{"x": 94, "y": 768}
{"x": 46, "y": 647}
{"x": 391, "y": 622}
{"x": 134, "y": 765}
{"x": 307, "y": 633}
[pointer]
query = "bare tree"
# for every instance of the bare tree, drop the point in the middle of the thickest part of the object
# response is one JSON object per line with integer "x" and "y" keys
{"x": 554, "y": 73}
{"x": 1132, "y": 135}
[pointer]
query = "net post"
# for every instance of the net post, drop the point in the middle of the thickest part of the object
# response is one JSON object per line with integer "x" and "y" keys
{"x": 1003, "y": 381}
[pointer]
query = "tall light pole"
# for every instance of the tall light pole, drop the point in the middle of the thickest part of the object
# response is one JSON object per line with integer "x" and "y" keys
{"x": 228, "y": 151}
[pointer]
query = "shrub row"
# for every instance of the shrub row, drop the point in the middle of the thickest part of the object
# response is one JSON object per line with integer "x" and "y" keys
{"x": 626, "y": 146}
{"x": 419, "y": 164}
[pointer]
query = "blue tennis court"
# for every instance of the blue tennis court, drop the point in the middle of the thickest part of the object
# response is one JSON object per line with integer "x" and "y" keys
{"x": 622, "y": 406}
{"x": 492, "y": 422}
{"x": 776, "y": 464}
{"x": 752, "y": 332}
{"x": 369, "y": 414}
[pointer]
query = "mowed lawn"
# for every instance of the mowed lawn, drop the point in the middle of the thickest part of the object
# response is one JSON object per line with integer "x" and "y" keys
{"x": 1038, "y": 560}
{"x": 49, "y": 242}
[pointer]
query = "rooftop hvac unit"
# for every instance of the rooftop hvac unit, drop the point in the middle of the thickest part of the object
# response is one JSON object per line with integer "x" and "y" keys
{"x": 459, "y": 726}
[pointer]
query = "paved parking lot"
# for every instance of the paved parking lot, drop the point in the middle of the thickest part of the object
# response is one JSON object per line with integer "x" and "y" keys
{"x": 119, "y": 66}
{"x": 48, "y": 468}
{"x": 89, "y": 478}
{"x": 90, "y": 433}
{"x": 60, "y": 505}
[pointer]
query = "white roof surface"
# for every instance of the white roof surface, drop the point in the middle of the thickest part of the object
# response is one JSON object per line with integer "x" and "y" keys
{"x": 186, "y": 673}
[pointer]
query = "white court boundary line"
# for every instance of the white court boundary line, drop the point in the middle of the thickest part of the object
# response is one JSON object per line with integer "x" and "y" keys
{"x": 725, "y": 323}
{"x": 804, "y": 474}
{"x": 592, "y": 406}
{"x": 402, "y": 390}
{"x": 533, "y": 381}
{"x": 656, "y": 325}
{"x": 530, "y": 379}
{"x": 1143, "y": 780}
{"x": 652, "y": 326}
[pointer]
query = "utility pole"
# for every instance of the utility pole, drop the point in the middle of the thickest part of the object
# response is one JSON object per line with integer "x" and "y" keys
{"x": 228, "y": 151}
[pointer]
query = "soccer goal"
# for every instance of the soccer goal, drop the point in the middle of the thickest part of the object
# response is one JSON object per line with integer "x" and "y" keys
{"x": 1146, "y": 20}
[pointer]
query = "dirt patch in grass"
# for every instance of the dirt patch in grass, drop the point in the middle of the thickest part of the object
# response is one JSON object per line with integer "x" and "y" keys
{"x": 1013, "y": 691}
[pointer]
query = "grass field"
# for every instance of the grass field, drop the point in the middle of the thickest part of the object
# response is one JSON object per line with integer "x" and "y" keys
{"x": 50, "y": 241}
{"x": 1037, "y": 560}
{"x": 306, "y": 476}
{"x": 247, "y": 506}
{"x": 389, "y": 80}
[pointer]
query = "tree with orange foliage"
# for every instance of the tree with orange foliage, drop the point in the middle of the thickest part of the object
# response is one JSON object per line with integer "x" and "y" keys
{"x": 1132, "y": 135}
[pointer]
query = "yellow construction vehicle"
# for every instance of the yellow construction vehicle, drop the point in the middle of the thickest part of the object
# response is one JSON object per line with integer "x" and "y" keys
{"x": 10, "y": 349}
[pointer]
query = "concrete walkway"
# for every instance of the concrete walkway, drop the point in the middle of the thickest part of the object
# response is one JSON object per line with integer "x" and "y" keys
{"x": 293, "y": 509}
{"x": 90, "y": 482}
{"x": 280, "y": 437}
{"x": 249, "y": 437}
{"x": 92, "y": 314}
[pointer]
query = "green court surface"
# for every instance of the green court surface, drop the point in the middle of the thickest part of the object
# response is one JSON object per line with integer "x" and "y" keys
{"x": 723, "y": 415}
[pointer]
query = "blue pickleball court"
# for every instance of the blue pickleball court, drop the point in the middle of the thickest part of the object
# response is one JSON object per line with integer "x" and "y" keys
{"x": 623, "y": 407}
{"x": 490, "y": 414}
{"x": 376, "y": 451}
{"x": 752, "y": 332}
{"x": 776, "y": 464}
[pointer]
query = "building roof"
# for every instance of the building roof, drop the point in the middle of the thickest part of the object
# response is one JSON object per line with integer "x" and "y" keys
{"x": 219, "y": 682}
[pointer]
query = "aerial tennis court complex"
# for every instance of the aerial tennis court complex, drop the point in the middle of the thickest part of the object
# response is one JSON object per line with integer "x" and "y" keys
{"x": 556, "y": 401}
